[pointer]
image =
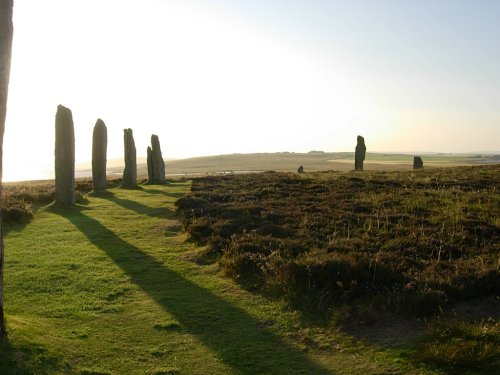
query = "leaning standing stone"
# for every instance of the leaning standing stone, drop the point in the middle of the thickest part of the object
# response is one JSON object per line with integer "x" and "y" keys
{"x": 99, "y": 146}
{"x": 64, "y": 157}
{"x": 129, "y": 179}
{"x": 360, "y": 153}
{"x": 417, "y": 162}
{"x": 157, "y": 162}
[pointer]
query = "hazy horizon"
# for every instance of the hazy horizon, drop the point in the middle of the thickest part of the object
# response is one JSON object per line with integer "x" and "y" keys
{"x": 220, "y": 77}
{"x": 83, "y": 169}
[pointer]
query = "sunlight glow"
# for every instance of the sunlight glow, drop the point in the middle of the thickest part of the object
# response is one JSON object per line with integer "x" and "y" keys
{"x": 213, "y": 78}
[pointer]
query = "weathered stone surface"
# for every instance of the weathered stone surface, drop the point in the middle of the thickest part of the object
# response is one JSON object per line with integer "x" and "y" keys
{"x": 150, "y": 163}
{"x": 64, "y": 157}
{"x": 156, "y": 162}
{"x": 99, "y": 149}
{"x": 129, "y": 179}
{"x": 417, "y": 162}
{"x": 301, "y": 169}
{"x": 360, "y": 153}
{"x": 6, "y": 31}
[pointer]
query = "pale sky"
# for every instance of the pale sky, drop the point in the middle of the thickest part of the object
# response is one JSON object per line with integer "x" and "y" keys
{"x": 238, "y": 76}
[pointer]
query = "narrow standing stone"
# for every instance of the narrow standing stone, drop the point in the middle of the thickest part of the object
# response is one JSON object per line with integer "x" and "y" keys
{"x": 150, "y": 164}
{"x": 6, "y": 31}
{"x": 99, "y": 147}
{"x": 65, "y": 157}
{"x": 417, "y": 162}
{"x": 157, "y": 163}
{"x": 129, "y": 179}
{"x": 301, "y": 169}
{"x": 360, "y": 153}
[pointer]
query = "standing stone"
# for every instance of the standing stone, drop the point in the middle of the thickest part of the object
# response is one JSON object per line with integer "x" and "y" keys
{"x": 129, "y": 179}
{"x": 360, "y": 153}
{"x": 157, "y": 164}
{"x": 150, "y": 163}
{"x": 99, "y": 148}
{"x": 301, "y": 169}
{"x": 417, "y": 162}
{"x": 6, "y": 31}
{"x": 65, "y": 157}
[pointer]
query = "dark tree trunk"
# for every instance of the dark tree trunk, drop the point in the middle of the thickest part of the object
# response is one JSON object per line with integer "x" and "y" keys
{"x": 6, "y": 31}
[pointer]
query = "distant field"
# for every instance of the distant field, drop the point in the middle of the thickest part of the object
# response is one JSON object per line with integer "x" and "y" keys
{"x": 312, "y": 162}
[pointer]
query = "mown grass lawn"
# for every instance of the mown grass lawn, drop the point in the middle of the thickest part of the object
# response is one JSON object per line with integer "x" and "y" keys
{"x": 108, "y": 287}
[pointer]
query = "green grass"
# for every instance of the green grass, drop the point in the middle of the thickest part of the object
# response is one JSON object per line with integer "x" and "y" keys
{"x": 462, "y": 347}
{"x": 109, "y": 287}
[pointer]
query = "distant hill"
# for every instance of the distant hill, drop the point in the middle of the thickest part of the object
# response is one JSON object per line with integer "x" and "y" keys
{"x": 312, "y": 161}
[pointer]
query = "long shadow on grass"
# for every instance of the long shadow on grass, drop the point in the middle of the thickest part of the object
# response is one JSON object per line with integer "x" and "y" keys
{"x": 151, "y": 190}
{"x": 15, "y": 226}
{"x": 135, "y": 206}
{"x": 240, "y": 340}
{"x": 26, "y": 359}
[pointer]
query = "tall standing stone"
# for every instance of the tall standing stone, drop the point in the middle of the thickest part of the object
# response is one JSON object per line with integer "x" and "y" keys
{"x": 6, "y": 31}
{"x": 417, "y": 162}
{"x": 65, "y": 157}
{"x": 156, "y": 164}
{"x": 129, "y": 179}
{"x": 150, "y": 163}
{"x": 360, "y": 153}
{"x": 99, "y": 148}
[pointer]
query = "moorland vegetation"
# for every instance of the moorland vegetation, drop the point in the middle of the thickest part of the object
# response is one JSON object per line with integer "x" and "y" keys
{"x": 356, "y": 246}
{"x": 393, "y": 241}
{"x": 20, "y": 199}
{"x": 342, "y": 249}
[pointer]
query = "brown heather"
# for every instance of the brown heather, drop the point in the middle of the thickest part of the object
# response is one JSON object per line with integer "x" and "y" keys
{"x": 406, "y": 242}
